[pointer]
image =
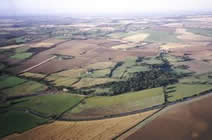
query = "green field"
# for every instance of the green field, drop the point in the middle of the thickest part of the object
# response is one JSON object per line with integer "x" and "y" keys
{"x": 160, "y": 36}
{"x": 138, "y": 69}
{"x": 121, "y": 34}
{"x": 132, "y": 65}
{"x": 130, "y": 62}
{"x": 33, "y": 75}
{"x": 72, "y": 73}
{"x": 201, "y": 31}
{"x": 173, "y": 59}
{"x": 52, "y": 104}
{"x": 89, "y": 82}
{"x": 98, "y": 73}
{"x": 198, "y": 79}
{"x": 26, "y": 88}
{"x": 7, "y": 81}
{"x": 179, "y": 91}
{"x": 21, "y": 49}
{"x": 22, "y": 55}
{"x": 121, "y": 103}
{"x": 181, "y": 71}
{"x": 17, "y": 122}
{"x": 61, "y": 80}
{"x": 118, "y": 73}
{"x": 21, "y": 40}
{"x": 152, "y": 60}
{"x": 101, "y": 65}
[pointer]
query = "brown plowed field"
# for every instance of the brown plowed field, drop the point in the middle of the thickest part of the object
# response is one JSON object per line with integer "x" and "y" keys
{"x": 85, "y": 52}
{"x": 199, "y": 52}
{"x": 187, "y": 121}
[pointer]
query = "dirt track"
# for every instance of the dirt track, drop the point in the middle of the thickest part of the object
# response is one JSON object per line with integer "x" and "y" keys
{"x": 37, "y": 65}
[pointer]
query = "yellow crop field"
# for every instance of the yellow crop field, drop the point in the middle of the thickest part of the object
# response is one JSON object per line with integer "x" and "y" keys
{"x": 87, "y": 82}
{"x": 72, "y": 73}
{"x": 137, "y": 37}
{"x": 101, "y": 65}
{"x": 33, "y": 75}
{"x": 62, "y": 81}
{"x": 173, "y": 45}
{"x": 11, "y": 47}
{"x": 46, "y": 43}
{"x": 83, "y": 130}
{"x": 123, "y": 46}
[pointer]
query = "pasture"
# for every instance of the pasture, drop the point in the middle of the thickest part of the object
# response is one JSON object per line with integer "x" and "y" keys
{"x": 18, "y": 122}
{"x": 48, "y": 105}
{"x": 180, "y": 91}
{"x": 27, "y": 88}
{"x": 7, "y": 81}
{"x": 21, "y": 55}
{"x": 105, "y": 105}
{"x": 161, "y": 36}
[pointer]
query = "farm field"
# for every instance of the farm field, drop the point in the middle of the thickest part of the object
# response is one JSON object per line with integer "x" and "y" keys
{"x": 17, "y": 122}
{"x": 193, "y": 123}
{"x": 204, "y": 32}
{"x": 26, "y": 88}
{"x": 96, "y": 77}
{"x": 137, "y": 37}
{"x": 102, "y": 106}
{"x": 10, "y": 81}
{"x": 49, "y": 105}
{"x": 123, "y": 46}
{"x": 100, "y": 129}
{"x": 33, "y": 75}
{"x": 161, "y": 36}
{"x": 45, "y": 43}
{"x": 180, "y": 91}
{"x": 21, "y": 55}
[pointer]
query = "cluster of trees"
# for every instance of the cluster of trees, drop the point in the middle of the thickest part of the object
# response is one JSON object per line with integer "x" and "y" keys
{"x": 159, "y": 75}
{"x": 116, "y": 66}
{"x": 143, "y": 80}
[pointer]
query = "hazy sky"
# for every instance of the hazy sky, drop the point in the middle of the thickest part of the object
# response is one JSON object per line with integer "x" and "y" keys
{"x": 101, "y": 6}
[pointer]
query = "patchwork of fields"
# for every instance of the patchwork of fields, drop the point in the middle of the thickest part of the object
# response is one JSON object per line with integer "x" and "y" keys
{"x": 102, "y": 76}
{"x": 90, "y": 130}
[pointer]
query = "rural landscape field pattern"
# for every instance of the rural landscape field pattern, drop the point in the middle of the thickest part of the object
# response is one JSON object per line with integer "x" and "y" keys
{"x": 102, "y": 78}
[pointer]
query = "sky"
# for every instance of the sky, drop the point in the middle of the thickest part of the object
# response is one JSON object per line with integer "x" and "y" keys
{"x": 18, "y": 7}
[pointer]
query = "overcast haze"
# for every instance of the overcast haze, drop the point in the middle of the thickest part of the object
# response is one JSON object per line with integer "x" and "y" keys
{"x": 17, "y": 7}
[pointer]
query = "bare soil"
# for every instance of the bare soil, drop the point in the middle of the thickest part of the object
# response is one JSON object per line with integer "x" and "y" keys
{"x": 85, "y": 52}
{"x": 188, "y": 121}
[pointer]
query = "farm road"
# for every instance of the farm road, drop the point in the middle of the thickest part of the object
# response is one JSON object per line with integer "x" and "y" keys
{"x": 37, "y": 65}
